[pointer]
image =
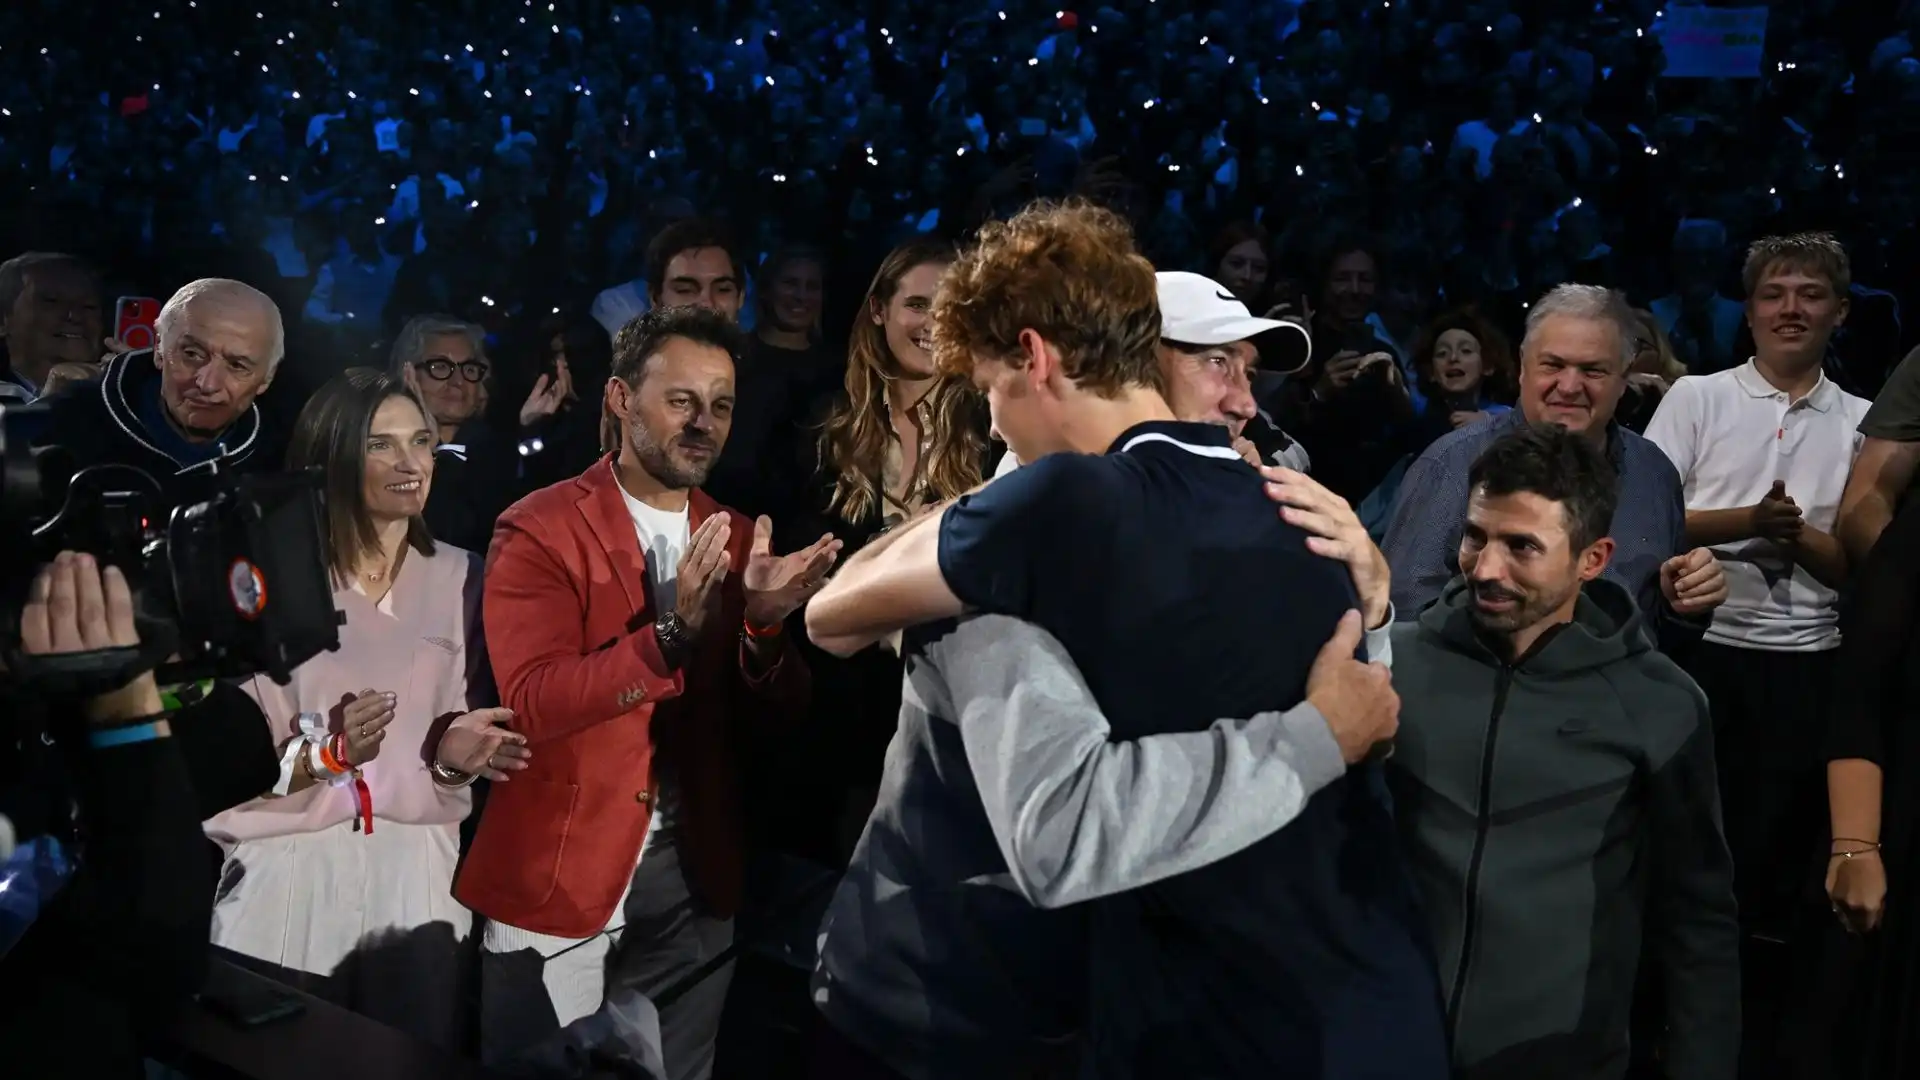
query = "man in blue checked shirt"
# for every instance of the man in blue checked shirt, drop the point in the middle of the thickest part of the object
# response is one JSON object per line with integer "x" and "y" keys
{"x": 1573, "y": 367}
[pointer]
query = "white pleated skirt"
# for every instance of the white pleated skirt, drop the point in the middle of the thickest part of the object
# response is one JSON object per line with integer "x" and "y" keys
{"x": 373, "y": 914}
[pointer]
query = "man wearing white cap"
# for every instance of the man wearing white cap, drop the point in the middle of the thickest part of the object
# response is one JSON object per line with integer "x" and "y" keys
{"x": 1210, "y": 345}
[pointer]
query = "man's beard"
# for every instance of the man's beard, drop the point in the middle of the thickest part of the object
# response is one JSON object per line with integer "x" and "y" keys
{"x": 654, "y": 457}
{"x": 1526, "y": 610}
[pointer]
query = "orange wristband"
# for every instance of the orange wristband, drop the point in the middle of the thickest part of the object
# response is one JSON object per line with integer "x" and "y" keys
{"x": 761, "y": 633}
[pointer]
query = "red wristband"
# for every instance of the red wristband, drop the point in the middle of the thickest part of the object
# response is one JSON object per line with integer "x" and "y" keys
{"x": 761, "y": 633}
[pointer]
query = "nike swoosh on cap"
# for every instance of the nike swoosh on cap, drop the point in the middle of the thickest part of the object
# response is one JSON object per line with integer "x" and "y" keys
{"x": 1228, "y": 297}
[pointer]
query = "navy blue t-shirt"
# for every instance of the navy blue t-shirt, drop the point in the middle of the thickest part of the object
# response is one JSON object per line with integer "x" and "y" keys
{"x": 1184, "y": 597}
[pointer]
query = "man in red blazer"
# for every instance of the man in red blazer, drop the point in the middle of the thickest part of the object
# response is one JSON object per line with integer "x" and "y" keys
{"x": 634, "y": 627}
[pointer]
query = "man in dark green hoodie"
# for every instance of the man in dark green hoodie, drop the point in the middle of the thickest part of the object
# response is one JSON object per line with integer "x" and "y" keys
{"x": 1554, "y": 784}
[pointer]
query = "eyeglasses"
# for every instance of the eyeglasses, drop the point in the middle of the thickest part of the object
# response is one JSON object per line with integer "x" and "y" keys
{"x": 440, "y": 369}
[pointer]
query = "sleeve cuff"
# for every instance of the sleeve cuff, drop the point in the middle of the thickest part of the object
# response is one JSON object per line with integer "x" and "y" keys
{"x": 1380, "y": 641}
{"x": 1317, "y": 756}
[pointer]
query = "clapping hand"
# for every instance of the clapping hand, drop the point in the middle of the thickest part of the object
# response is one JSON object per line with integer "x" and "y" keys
{"x": 777, "y": 585}
{"x": 480, "y": 743}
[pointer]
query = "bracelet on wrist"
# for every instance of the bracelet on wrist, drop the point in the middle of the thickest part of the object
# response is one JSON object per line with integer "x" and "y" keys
{"x": 761, "y": 633}
{"x": 450, "y": 778}
{"x": 146, "y": 730}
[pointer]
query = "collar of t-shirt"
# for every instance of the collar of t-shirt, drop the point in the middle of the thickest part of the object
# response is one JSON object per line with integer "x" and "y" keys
{"x": 1204, "y": 440}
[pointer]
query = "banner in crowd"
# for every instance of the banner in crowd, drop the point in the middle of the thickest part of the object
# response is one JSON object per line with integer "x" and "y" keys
{"x": 1714, "y": 43}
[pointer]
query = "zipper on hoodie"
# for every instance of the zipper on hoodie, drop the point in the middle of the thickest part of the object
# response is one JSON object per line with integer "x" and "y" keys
{"x": 1483, "y": 824}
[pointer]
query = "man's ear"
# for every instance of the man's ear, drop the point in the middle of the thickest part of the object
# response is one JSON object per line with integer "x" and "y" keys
{"x": 1594, "y": 560}
{"x": 1038, "y": 357}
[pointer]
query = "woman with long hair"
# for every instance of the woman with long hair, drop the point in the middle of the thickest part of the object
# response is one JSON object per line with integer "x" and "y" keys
{"x": 340, "y": 879}
{"x": 901, "y": 437}
{"x": 897, "y": 438}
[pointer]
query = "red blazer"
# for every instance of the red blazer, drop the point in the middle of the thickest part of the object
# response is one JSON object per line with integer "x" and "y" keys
{"x": 570, "y": 636}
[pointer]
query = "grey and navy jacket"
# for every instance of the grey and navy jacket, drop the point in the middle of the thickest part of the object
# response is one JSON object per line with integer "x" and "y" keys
{"x": 106, "y": 421}
{"x": 1562, "y": 820}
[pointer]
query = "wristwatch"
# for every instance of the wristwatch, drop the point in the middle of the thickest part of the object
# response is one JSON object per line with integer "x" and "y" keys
{"x": 676, "y": 641}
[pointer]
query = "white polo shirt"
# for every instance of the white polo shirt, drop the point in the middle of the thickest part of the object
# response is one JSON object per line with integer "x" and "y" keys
{"x": 1731, "y": 435}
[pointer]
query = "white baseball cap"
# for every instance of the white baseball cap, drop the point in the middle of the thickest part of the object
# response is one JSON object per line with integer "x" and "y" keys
{"x": 1197, "y": 310}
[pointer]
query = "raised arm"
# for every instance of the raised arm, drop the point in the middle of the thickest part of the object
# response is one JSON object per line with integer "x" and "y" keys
{"x": 1079, "y": 815}
{"x": 891, "y": 584}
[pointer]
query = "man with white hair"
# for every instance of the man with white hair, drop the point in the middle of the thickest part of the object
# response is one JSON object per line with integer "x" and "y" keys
{"x": 183, "y": 411}
{"x": 1573, "y": 369}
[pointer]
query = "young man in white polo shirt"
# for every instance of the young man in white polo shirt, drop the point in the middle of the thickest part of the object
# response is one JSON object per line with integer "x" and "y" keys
{"x": 1763, "y": 451}
{"x": 1210, "y": 346}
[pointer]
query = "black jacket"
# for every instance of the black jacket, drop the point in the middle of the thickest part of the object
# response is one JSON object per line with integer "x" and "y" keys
{"x": 1562, "y": 820}
{"x": 100, "y": 423}
{"x": 111, "y": 957}
{"x": 475, "y": 479}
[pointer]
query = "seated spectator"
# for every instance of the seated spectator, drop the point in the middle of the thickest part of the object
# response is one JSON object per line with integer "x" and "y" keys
{"x": 1464, "y": 369}
{"x": 49, "y": 314}
{"x": 183, "y": 411}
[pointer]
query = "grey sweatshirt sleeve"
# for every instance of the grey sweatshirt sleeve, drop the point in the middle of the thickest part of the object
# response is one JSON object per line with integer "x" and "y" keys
{"x": 1695, "y": 930}
{"x": 1079, "y": 815}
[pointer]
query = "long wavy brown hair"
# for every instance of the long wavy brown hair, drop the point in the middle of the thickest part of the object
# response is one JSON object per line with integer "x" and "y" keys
{"x": 854, "y": 442}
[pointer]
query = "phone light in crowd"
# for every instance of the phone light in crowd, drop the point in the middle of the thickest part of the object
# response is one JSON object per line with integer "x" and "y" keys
{"x": 469, "y": 48}
{"x": 376, "y": 221}
{"x": 6, "y": 112}
{"x": 414, "y": 90}
{"x": 474, "y": 205}
{"x": 1147, "y": 104}
{"x": 779, "y": 178}
{"x": 503, "y": 52}
{"x": 488, "y": 94}
{"x": 1263, "y": 99}
{"x": 556, "y": 28}
{"x": 1033, "y": 61}
{"x": 871, "y": 160}
{"x": 1576, "y": 203}
{"x": 280, "y": 42}
{"x": 1299, "y": 170}
{"x": 1002, "y": 14}
{"x": 263, "y": 68}
{"x": 1536, "y": 118}
{"x": 528, "y": 91}
{"x": 252, "y": 178}
{"x": 445, "y": 59}
{"x": 959, "y": 151}
{"x": 487, "y": 300}
{"x": 651, "y": 154}
{"x": 351, "y": 96}
{"x": 1203, "y": 40}
{"x": 769, "y": 80}
{"x": 1057, "y": 15}
{"x": 1637, "y": 32}
{"x": 283, "y": 180}
{"x": 1093, "y": 28}
{"x": 1653, "y": 151}
{"x": 743, "y": 41}
{"x": 1773, "y": 191}
{"x": 1173, "y": 168}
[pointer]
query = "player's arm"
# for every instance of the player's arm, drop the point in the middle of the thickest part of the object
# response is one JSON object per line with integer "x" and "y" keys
{"x": 889, "y": 585}
{"x": 980, "y": 552}
{"x": 1079, "y": 814}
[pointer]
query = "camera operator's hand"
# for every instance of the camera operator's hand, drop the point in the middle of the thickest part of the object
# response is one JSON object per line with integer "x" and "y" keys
{"x": 76, "y": 606}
